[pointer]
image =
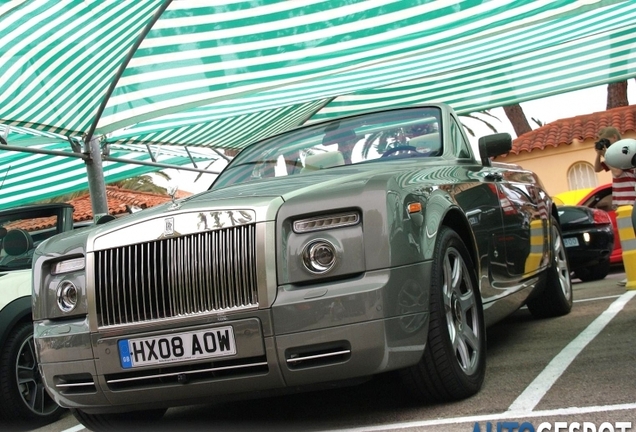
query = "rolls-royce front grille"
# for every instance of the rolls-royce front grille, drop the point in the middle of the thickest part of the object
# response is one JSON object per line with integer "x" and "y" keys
{"x": 180, "y": 276}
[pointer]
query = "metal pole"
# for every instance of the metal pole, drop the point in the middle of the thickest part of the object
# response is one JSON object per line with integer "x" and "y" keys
{"x": 43, "y": 151}
{"x": 96, "y": 183}
{"x": 157, "y": 164}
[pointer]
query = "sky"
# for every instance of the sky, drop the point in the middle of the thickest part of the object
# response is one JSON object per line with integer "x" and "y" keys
{"x": 546, "y": 110}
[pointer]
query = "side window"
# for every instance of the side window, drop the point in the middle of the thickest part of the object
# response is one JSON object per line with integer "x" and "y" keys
{"x": 461, "y": 148}
{"x": 581, "y": 175}
{"x": 600, "y": 200}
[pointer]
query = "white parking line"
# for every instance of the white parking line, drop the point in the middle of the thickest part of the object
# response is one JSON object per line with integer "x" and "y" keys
{"x": 76, "y": 428}
{"x": 508, "y": 415}
{"x": 597, "y": 298}
{"x": 522, "y": 407}
{"x": 544, "y": 381}
{"x": 524, "y": 404}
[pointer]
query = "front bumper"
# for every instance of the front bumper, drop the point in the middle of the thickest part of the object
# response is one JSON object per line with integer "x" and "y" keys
{"x": 310, "y": 337}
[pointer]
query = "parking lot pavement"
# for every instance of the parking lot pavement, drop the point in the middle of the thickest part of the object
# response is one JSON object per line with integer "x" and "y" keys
{"x": 578, "y": 368}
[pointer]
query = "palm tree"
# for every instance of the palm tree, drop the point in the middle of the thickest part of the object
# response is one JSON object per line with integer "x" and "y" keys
{"x": 479, "y": 116}
{"x": 517, "y": 119}
{"x": 143, "y": 183}
{"x": 616, "y": 97}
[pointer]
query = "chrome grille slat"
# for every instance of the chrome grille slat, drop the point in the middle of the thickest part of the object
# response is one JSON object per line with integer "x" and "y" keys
{"x": 181, "y": 276}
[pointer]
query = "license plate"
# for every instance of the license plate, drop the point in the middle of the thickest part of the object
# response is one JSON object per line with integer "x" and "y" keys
{"x": 570, "y": 241}
{"x": 216, "y": 342}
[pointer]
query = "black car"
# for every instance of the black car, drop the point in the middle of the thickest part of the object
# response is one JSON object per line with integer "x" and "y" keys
{"x": 588, "y": 238}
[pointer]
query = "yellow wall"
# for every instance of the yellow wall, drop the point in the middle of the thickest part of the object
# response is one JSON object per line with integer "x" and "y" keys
{"x": 552, "y": 163}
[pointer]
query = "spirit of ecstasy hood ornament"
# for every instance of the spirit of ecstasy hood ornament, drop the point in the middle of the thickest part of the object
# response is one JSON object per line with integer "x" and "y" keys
{"x": 172, "y": 191}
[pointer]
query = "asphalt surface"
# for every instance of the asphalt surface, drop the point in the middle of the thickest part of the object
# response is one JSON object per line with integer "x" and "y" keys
{"x": 572, "y": 373}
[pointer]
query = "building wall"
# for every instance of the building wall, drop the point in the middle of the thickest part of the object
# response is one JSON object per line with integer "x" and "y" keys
{"x": 552, "y": 163}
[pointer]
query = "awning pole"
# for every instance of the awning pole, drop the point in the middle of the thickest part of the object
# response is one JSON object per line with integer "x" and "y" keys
{"x": 96, "y": 184}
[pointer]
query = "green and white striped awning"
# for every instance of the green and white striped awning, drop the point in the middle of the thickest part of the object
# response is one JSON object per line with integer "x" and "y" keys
{"x": 28, "y": 177}
{"x": 226, "y": 73}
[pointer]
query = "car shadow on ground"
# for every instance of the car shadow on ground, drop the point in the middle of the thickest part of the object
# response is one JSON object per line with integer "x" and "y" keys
{"x": 379, "y": 400}
{"x": 376, "y": 398}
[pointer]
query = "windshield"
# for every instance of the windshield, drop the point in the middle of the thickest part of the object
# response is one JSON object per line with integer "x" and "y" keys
{"x": 413, "y": 132}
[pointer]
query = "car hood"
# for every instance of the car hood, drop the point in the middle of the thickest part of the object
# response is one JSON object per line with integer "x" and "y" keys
{"x": 13, "y": 285}
{"x": 287, "y": 186}
{"x": 242, "y": 203}
{"x": 257, "y": 201}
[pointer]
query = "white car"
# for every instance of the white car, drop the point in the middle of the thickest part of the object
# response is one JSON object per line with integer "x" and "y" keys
{"x": 24, "y": 401}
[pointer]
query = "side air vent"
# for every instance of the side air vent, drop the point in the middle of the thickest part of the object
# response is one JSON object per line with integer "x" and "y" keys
{"x": 75, "y": 384}
{"x": 318, "y": 355}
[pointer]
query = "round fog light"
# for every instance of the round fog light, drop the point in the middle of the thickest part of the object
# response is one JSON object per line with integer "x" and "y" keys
{"x": 319, "y": 256}
{"x": 67, "y": 295}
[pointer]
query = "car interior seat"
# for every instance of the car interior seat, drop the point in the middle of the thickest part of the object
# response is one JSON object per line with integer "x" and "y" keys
{"x": 323, "y": 160}
{"x": 17, "y": 242}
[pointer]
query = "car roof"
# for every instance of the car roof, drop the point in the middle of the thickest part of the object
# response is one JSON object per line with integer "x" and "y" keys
{"x": 573, "y": 197}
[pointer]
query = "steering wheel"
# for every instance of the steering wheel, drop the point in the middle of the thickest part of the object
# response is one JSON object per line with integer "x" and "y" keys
{"x": 407, "y": 148}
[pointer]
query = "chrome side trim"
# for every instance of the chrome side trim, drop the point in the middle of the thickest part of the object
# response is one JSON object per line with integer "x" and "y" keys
{"x": 79, "y": 384}
{"x": 317, "y": 356}
{"x": 172, "y": 374}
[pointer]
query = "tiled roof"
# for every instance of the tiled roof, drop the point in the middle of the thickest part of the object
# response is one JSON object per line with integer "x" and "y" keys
{"x": 565, "y": 131}
{"x": 32, "y": 224}
{"x": 117, "y": 200}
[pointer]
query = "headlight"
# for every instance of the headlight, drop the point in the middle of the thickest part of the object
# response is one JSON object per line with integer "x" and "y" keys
{"x": 67, "y": 296}
{"x": 326, "y": 222}
{"x": 319, "y": 256}
{"x": 68, "y": 266}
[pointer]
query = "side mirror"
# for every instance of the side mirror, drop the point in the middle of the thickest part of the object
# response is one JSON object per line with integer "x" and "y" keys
{"x": 494, "y": 145}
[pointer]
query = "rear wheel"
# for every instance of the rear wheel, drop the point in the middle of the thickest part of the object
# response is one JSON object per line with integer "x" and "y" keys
{"x": 134, "y": 420}
{"x": 454, "y": 361}
{"x": 23, "y": 398}
{"x": 597, "y": 272}
{"x": 555, "y": 299}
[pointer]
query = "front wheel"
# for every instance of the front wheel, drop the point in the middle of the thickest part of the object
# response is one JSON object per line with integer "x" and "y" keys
{"x": 454, "y": 361}
{"x": 23, "y": 398}
{"x": 555, "y": 297}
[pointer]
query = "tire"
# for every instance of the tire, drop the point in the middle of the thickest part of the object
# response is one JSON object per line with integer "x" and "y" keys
{"x": 135, "y": 420}
{"x": 453, "y": 364}
{"x": 597, "y": 272}
{"x": 23, "y": 398}
{"x": 555, "y": 298}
